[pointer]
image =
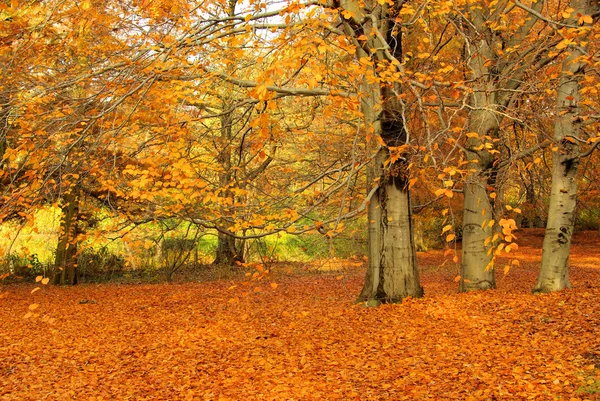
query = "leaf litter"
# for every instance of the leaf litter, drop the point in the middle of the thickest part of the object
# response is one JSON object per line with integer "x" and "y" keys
{"x": 305, "y": 339}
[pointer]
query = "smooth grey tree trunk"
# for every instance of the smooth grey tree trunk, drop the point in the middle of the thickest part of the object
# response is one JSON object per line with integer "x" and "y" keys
{"x": 554, "y": 273}
{"x": 494, "y": 78}
{"x": 477, "y": 271}
{"x": 392, "y": 273}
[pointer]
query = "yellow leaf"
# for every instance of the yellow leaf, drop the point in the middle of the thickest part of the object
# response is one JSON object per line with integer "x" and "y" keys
{"x": 86, "y": 4}
{"x": 517, "y": 210}
{"x": 38, "y": 279}
{"x": 274, "y": 286}
{"x": 339, "y": 277}
{"x": 33, "y": 306}
{"x": 291, "y": 229}
{"x": 457, "y": 279}
{"x": 35, "y": 289}
{"x": 516, "y": 262}
{"x": 506, "y": 269}
{"x": 46, "y": 280}
{"x": 493, "y": 195}
{"x": 450, "y": 237}
{"x": 447, "y": 228}
{"x": 27, "y": 315}
{"x": 455, "y": 259}
{"x": 563, "y": 44}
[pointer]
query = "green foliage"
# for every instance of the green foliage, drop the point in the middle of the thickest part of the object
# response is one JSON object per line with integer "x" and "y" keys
{"x": 587, "y": 219}
{"x": 592, "y": 386}
{"x": 351, "y": 242}
{"x": 99, "y": 265}
{"x": 428, "y": 232}
{"x": 26, "y": 266}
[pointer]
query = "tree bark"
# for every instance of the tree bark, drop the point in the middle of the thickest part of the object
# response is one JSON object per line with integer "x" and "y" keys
{"x": 477, "y": 271}
{"x": 227, "y": 253}
{"x": 494, "y": 77}
{"x": 392, "y": 273}
{"x": 65, "y": 262}
{"x": 554, "y": 273}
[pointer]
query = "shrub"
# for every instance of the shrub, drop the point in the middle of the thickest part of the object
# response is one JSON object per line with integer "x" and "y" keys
{"x": 99, "y": 265}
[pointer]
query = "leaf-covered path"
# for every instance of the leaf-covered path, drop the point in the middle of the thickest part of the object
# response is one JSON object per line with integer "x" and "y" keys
{"x": 305, "y": 340}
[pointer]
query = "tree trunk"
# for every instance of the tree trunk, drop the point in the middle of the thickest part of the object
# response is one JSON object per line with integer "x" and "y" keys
{"x": 554, "y": 273}
{"x": 477, "y": 270}
{"x": 227, "y": 253}
{"x": 65, "y": 263}
{"x": 392, "y": 274}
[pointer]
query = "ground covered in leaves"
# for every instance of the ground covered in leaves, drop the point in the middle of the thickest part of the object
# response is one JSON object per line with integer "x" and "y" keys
{"x": 300, "y": 337}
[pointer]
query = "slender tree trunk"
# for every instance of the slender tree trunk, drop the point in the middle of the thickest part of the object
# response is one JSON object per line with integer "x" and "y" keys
{"x": 226, "y": 253}
{"x": 554, "y": 273}
{"x": 4, "y": 125}
{"x": 477, "y": 271}
{"x": 65, "y": 263}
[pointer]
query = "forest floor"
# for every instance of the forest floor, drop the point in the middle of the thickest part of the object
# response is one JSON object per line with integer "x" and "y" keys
{"x": 297, "y": 335}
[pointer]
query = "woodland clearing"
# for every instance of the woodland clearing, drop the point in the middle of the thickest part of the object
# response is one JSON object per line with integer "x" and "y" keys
{"x": 301, "y": 337}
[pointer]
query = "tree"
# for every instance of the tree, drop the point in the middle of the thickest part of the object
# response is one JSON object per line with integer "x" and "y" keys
{"x": 497, "y": 71}
{"x": 392, "y": 273}
{"x": 554, "y": 273}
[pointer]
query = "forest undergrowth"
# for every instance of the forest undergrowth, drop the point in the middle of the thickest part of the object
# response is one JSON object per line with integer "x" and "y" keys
{"x": 301, "y": 337}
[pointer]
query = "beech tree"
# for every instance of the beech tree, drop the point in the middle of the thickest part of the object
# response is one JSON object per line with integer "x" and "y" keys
{"x": 501, "y": 49}
{"x": 554, "y": 273}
